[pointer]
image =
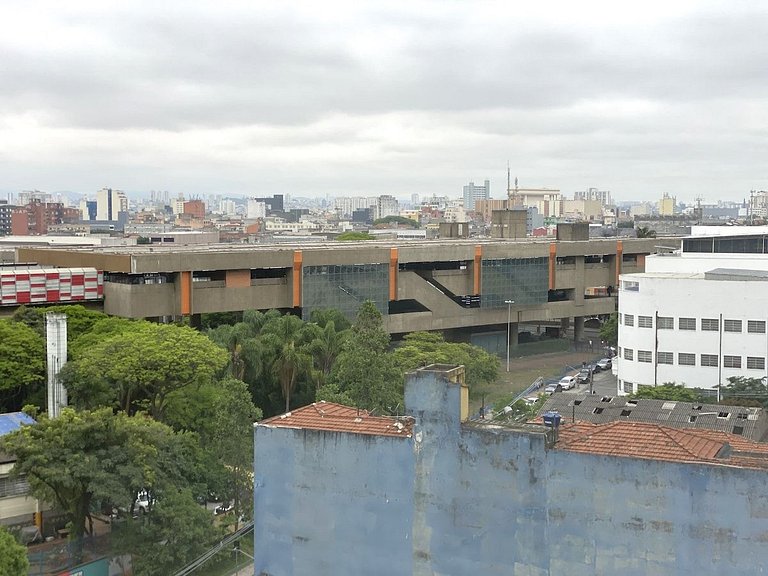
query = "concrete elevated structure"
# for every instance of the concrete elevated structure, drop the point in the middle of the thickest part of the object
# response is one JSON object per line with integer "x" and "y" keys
{"x": 417, "y": 285}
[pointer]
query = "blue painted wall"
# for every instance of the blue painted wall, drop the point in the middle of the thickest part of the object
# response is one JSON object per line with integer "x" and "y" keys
{"x": 459, "y": 500}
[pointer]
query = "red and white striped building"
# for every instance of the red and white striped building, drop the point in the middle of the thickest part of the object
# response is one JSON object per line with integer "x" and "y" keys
{"x": 33, "y": 285}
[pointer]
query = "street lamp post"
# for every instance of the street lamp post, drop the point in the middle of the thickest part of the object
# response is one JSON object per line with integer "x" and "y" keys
{"x": 509, "y": 325}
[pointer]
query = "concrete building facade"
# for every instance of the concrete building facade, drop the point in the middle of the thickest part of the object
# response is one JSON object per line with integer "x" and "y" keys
{"x": 697, "y": 317}
{"x": 417, "y": 285}
{"x": 347, "y": 493}
{"x": 109, "y": 204}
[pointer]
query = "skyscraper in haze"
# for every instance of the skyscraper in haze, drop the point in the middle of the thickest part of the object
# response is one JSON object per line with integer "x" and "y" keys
{"x": 474, "y": 193}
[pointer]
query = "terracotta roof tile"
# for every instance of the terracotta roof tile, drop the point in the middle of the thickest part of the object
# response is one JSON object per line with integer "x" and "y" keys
{"x": 656, "y": 442}
{"x": 332, "y": 417}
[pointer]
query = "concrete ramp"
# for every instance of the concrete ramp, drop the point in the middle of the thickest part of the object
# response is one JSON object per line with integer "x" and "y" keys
{"x": 411, "y": 285}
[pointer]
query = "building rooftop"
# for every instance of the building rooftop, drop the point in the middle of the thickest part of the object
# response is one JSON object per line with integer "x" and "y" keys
{"x": 657, "y": 442}
{"x": 751, "y": 423}
{"x": 331, "y": 417}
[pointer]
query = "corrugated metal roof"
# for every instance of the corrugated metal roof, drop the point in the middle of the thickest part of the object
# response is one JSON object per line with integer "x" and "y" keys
{"x": 751, "y": 423}
{"x": 12, "y": 421}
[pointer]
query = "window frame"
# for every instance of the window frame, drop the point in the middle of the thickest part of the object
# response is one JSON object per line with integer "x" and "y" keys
{"x": 755, "y": 365}
{"x": 690, "y": 324}
{"x": 665, "y": 323}
{"x": 731, "y": 361}
{"x": 753, "y": 325}
{"x": 709, "y": 360}
{"x": 629, "y": 320}
{"x": 645, "y": 356}
{"x": 710, "y": 325}
{"x": 687, "y": 355}
{"x": 666, "y": 356}
{"x": 645, "y": 321}
{"x": 733, "y": 323}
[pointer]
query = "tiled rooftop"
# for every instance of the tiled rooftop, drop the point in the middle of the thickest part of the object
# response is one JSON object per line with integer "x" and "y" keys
{"x": 656, "y": 442}
{"x": 332, "y": 417}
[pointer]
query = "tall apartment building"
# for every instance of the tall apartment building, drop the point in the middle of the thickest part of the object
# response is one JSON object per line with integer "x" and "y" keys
{"x": 35, "y": 218}
{"x": 386, "y": 206}
{"x": 347, "y": 206}
{"x": 667, "y": 205}
{"x": 474, "y": 193}
{"x": 6, "y": 210}
{"x": 195, "y": 208}
{"x": 256, "y": 209}
{"x": 602, "y": 196}
{"x": 109, "y": 203}
{"x": 758, "y": 204}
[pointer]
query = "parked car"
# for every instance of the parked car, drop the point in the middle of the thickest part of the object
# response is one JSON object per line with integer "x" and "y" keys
{"x": 552, "y": 388}
{"x": 604, "y": 364}
{"x": 224, "y": 508}
{"x": 568, "y": 382}
{"x": 583, "y": 376}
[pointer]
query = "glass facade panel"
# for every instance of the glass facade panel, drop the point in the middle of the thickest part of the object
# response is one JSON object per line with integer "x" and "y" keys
{"x": 522, "y": 280}
{"x": 344, "y": 288}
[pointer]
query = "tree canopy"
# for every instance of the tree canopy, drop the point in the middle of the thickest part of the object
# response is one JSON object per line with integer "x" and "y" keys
{"x": 668, "y": 391}
{"x": 13, "y": 556}
{"x": 609, "y": 331}
{"x": 365, "y": 371}
{"x": 398, "y": 220}
{"x": 423, "y": 348}
{"x": 354, "y": 236}
{"x": 141, "y": 367}
{"x": 743, "y": 391}
{"x": 22, "y": 365}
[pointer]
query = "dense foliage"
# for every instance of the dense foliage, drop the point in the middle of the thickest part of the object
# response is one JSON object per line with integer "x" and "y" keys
{"x": 13, "y": 556}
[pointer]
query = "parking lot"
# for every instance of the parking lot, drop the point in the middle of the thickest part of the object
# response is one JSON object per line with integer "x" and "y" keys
{"x": 603, "y": 383}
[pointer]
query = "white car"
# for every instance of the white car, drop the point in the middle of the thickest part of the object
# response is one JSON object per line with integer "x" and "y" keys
{"x": 568, "y": 382}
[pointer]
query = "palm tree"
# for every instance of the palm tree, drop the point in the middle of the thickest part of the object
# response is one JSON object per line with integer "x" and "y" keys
{"x": 645, "y": 232}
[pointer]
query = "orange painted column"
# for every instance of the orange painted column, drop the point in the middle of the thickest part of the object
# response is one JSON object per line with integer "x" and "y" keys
{"x": 476, "y": 269}
{"x": 552, "y": 263}
{"x": 393, "y": 273}
{"x": 297, "y": 260}
{"x": 186, "y": 293}
{"x": 619, "y": 260}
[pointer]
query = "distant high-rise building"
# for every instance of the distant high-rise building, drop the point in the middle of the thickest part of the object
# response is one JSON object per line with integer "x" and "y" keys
{"x": 386, "y": 206}
{"x": 474, "y": 193}
{"x": 667, "y": 205}
{"x": 109, "y": 204}
{"x": 414, "y": 199}
{"x": 602, "y": 196}
{"x": 6, "y": 210}
{"x": 256, "y": 209}
{"x": 273, "y": 204}
{"x": 195, "y": 208}
{"x": 28, "y": 196}
{"x": 88, "y": 209}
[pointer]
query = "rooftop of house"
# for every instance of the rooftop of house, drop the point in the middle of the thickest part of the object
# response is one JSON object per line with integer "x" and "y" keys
{"x": 657, "y": 442}
{"x": 330, "y": 417}
{"x": 751, "y": 423}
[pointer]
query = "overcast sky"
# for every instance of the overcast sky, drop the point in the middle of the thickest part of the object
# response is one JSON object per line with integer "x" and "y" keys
{"x": 366, "y": 98}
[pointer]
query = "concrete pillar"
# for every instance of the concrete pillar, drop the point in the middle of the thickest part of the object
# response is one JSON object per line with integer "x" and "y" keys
{"x": 565, "y": 323}
{"x": 578, "y": 328}
{"x": 513, "y": 330}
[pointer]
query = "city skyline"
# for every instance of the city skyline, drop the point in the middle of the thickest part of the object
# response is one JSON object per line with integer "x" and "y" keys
{"x": 385, "y": 98}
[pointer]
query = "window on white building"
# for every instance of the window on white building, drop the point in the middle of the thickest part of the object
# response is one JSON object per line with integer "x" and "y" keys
{"x": 644, "y": 356}
{"x": 629, "y": 320}
{"x": 686, "y": 323}
{"x": 686, "y": 359}
{"x": 731, "y": 361}
{"x": 627, "y": 387}
{"x": 732, "y": 325}
{"x": 629, "y": 354}
{"x": 756, "y": 326}
{"x": 631, "y": 286}
{"x": 710, "y": 324}
{"x": 665, "y": 323}
{"x": 755, "y": 363}
{"x": 645, "y": 321}
{"x": 709, "y": 360}
{"x": 665, "y": 357}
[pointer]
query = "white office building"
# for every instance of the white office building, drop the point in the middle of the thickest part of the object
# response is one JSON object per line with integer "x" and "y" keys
{"x": 109, "y": 204}
{"x": 698, "y": 316}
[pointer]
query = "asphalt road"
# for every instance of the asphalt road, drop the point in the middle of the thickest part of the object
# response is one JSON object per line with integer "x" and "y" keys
{"x": 604, "y": 383}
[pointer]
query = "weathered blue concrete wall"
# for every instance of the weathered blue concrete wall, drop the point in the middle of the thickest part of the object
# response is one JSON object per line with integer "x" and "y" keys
{"x": 459, "y": 500}
{"x": 330, "y": 503}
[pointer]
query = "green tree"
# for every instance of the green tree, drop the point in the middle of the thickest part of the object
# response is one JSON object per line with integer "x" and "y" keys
{"x": 398, "y": 220}
{"x": 79, "y": 318}
{"x": 743, "y": 391}
{"x": 365, "y": 370}
{"x": 142, "y": 367}
{"x": 423, "y": 348}
{"x": 13, "y": 556}
{"x": 81, "y": 458}
{"x": 286, "y": 337}
{"x": 668, "y": 391}
{"x": 176, "y": 532}
{"x": 322, "y": 316}
{"x": 233, "y": 415}
{"x": 22, "y": 365}
{"x": 609, "y": 331}
{"x": 645, "y": 232}
{"x": 354, "y": 236}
